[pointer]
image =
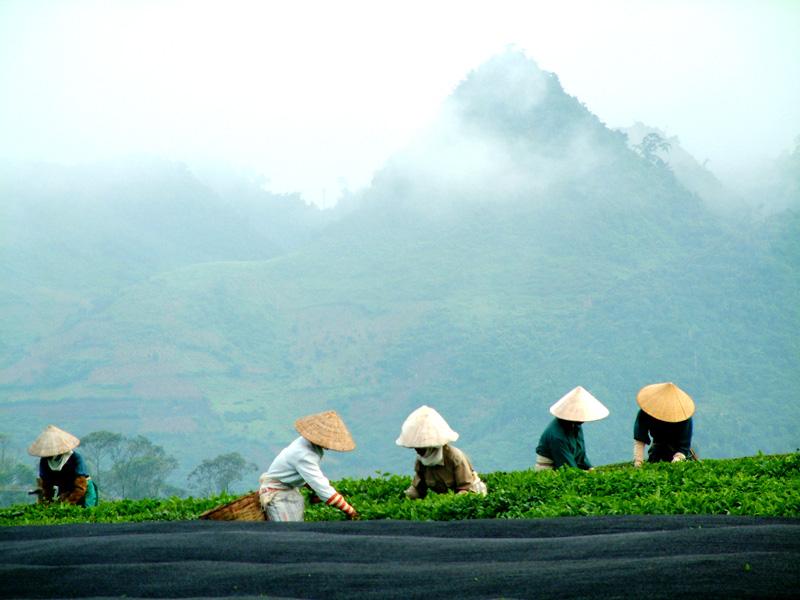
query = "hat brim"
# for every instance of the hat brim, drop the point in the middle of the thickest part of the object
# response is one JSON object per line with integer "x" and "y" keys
{"x": 665, "y": 402}
{"x": 326, "y": 430}
{"x": 52, "y": 442}
{"x": 579, "y": 406}
{"x": 425, "y": 428}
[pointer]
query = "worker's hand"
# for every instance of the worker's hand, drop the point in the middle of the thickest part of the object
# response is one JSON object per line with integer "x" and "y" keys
{"x": 678, "y": 457}
{"x": 353, "y": 515}
{"x": 40, "y": 497}
{"x": 638, "y": 453}
{"x": 412, "y": 493}
{"x": 314, "y": 499}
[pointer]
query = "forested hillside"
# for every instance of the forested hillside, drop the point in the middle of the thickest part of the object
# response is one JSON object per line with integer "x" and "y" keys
{"x": 71, "y": 238}
{"x": 516, "y": 249}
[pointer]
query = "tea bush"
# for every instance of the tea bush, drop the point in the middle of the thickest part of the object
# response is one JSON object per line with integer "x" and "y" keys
{"x": 162, "y": 509}
{"x": 758, "y": 485}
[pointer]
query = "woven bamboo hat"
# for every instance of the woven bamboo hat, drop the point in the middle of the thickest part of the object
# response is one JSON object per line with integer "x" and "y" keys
{"x": 326, "y": 429}
{"x": 425, "y": 428}
{"x": 52, "y": 442}
{"x": 580, "y": 406}
{"x": 666, "y": 402}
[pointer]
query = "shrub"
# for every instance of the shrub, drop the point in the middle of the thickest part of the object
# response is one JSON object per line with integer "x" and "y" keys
{"x": 758, "y": 485}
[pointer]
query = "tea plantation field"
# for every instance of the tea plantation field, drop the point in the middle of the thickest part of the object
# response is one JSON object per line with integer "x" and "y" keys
{"x": 754, "y": 486}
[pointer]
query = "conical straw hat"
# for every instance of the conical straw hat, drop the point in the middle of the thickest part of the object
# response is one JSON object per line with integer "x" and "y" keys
{"x": 53, "y": 441}
{"x": 665, "y": 402}
{"x": 425, "y": 428}
{"x": 579, "y": 406}
{"x": 326, "y": 429}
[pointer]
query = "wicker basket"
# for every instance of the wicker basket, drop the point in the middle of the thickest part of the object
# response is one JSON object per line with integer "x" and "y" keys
{"x": 246, "y": 508}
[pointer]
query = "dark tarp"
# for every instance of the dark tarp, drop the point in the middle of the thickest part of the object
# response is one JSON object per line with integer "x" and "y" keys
{"x": 584, "y": 557}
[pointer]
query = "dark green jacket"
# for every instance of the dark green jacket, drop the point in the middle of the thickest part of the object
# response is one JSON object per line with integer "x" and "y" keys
{"x": 562, "y": 442}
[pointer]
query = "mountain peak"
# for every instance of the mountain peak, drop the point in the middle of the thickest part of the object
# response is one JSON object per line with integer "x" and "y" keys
{"x": 507, "y": 132}
{"x": 510, "y": 75}
{"x": 510, "y": 95}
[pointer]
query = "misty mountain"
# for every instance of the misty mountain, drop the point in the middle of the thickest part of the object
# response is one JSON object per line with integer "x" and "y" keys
{"x": 778, "y": 188}
{"x": 514, "y": 250}
{"x": 74, "y": 237}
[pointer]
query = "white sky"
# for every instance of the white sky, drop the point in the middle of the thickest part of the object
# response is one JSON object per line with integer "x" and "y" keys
{"x": 317, "y": 95}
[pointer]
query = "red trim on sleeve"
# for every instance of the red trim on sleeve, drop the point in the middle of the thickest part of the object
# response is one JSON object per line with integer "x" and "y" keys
{"x": 337, "y": 501}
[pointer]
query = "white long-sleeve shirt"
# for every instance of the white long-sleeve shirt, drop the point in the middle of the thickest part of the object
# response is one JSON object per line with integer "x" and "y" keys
{"x": 298, "y": 464}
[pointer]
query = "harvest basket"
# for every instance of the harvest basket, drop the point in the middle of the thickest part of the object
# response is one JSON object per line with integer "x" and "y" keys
{"x": 246, "y": 508}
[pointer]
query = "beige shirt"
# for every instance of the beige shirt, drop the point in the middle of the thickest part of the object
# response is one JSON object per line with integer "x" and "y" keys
{"x": 455, "y": 473}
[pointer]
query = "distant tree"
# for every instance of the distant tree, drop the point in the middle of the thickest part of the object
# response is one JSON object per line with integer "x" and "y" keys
{"x": 215, "y": 475}
{"x": 101, "y": 448}
{"x": 13, "y": 472}
{"x": 140, "y": 470}
{"x": 650, "y": 146}
{"x": 15, "y": 476}
{"x": 4, "y": 441}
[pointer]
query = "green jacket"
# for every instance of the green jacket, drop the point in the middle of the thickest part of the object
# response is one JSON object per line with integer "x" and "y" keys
{"x": 562, "y": 442}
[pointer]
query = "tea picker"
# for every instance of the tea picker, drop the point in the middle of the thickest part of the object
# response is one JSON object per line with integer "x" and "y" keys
{"x": 664, "y": 421}
{"x": 561, "y": 444}
{"x": 439, "y": 467}
{"x": 62, "y": 468}
{"x": 298, "y": 465}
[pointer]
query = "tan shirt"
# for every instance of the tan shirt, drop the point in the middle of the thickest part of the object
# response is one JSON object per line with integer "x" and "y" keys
{"x": 455, "y": 473}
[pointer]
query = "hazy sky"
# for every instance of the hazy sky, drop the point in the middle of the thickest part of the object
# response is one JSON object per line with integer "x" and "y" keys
{"x": 317, "y": 95}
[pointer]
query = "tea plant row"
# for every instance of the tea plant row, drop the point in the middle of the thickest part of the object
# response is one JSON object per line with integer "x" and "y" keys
{"x": 759, "y": 486}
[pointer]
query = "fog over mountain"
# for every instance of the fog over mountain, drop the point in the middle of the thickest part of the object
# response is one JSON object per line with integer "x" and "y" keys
{"x": 315, "y": 99}
{"x": 515, "y": 248}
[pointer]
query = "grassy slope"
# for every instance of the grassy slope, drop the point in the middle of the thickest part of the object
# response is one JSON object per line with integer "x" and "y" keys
{"x": 491, "y": 340}
{"x": 758, "y": 485}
